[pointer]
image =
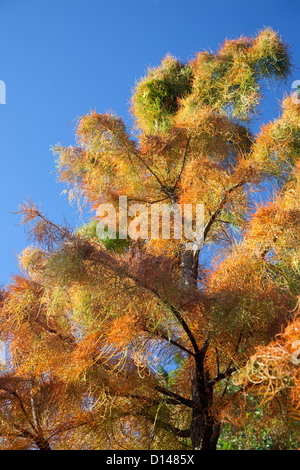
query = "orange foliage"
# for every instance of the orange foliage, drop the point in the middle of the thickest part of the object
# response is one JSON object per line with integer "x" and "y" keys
{"x": 145, "y": 345}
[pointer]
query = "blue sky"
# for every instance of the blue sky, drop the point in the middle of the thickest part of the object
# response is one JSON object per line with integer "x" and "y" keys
{"x": 60, "y": 59}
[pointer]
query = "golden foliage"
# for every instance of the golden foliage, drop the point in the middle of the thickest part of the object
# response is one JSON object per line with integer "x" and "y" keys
{"x": 111, "y": 344}
{"x": 274, "y": 368}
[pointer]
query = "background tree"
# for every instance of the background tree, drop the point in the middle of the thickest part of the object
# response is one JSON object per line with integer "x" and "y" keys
{"x": 146, "y": 341}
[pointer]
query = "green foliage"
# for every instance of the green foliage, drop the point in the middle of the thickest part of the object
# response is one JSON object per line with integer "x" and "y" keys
{"x": 229, "y": 81}
{"x": 88, "y": 230}
{"x": 117, "y": 245}
{"x": 270, "y": 437}
{"x": 157, "y": 95}
{"x": 270, "y": 55}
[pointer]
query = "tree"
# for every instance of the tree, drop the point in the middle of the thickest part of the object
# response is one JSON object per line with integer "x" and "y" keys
{"x": 139, "y": 343}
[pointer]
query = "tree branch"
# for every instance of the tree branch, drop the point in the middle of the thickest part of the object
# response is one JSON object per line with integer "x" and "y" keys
{"x": 173, "y": 309}
{"x": 16, "y": 395}
{"x": 181, "y": 400}
{"x": 185, "y": 327}
{"x": 183, "y": 162}
{"x": 160, "y": 335}
{"x": 184, "y": 433}
{"x": 219, "y": 208}
{"x": 229, "y": 370}
{"x": 162, "y": 186}
{"x": 264, "y": 251}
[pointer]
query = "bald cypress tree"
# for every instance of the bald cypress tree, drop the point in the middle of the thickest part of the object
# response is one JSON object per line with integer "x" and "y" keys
{"x": 143, "y": 340}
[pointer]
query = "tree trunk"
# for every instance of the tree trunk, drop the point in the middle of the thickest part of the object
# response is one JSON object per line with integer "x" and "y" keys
{"x": 204, "y": 430}
{"x": 189, "y": 266}
{"x": 42, "y": 443}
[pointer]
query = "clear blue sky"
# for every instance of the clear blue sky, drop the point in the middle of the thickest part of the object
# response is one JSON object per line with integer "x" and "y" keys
{"x": 59, "y": 59}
